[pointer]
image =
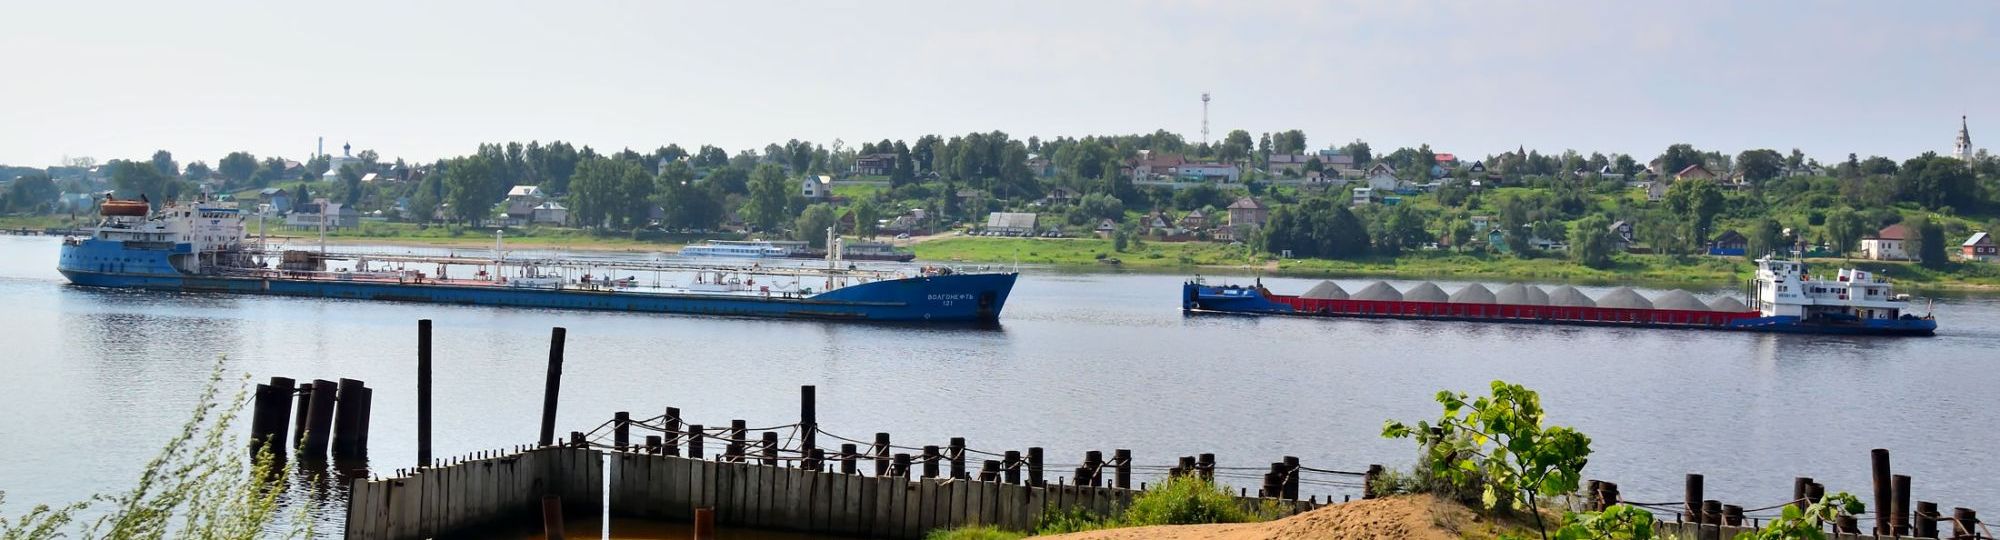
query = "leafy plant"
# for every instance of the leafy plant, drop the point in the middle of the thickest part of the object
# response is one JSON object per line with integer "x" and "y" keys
{"x": 973, "y": 532}
{"x": 1186, "y": 500}
{"x": 1496, "y": 446}
{"x": 202, "y": 484}
{"x": 1810, "y": 523}
{"x": 1619, "y": 522}
{"x": 1055, "y": 521}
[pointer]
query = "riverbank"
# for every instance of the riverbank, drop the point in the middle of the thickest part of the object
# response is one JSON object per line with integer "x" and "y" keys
{"x": 1626, "y": 268}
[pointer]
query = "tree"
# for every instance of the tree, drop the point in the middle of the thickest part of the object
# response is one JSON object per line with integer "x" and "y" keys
{"x": 429, "y": 194}
{"x": 1497, "y": 447}
{"x": 1936, "y": 181}
{"x": 1759, "y": 165}
{"x": 1593, "y": 242}
{"x": 1796, "y": 160}
{"x": 350, "y": 185}
{"x": 635, "y": 195}
{"x": 136, "y": 179}
{"x": 1236, "y": 146}
{"x": 1625, "y": 165}
{"x": 466, "y": 188}
{"x": 1680, "y": 156}
{"x": 31, "y": 193}
{"x": 1359, "y": 151}
{"x": 769, "y": 191}
{"x": 904, "y": 172}
{"x": 1317, "y": 227}
{"x": 1766, "y": 236}
{"x": 1697, "y": 201}
{"x": 1927, "y": 242}
{"x": 1313, "y": 165}
{"x": 1289, "y": 142}
{"x": 163, "y": 161}
{"x": 316, "y": 168}
{"x": 197, "y": 171}
{"x": 237, "y": 167}
{"x": 1460, "y": 232}
{"x": 1845, "y": 227}
{"x": 867, "y": 219}
{"x": 813, "y": 223}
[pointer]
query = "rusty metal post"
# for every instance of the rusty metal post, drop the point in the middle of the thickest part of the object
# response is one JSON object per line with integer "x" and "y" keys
{"x": 423, "y": 393}
{"x": 551, "y": 386}
{"x": 319, "y": 420}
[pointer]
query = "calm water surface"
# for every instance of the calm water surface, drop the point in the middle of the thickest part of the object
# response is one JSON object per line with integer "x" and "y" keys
{"x": 94, "y": 380}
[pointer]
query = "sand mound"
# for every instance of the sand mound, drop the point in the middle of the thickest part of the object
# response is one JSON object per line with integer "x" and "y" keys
{"x": 1522, "y": 295}
{"x": 1378, "y": 291}
{"x": 1325, "y": 290}
{"x": 1728, "y": 305}
{"x": 1473, "y": 294}
{"x": 1625, "y": 298}
{"x": 1569, "y": 296}
{"x": 1679, "y": 299}
{"x": 1404, "y": 517}
{"x": 1425, "y": 292}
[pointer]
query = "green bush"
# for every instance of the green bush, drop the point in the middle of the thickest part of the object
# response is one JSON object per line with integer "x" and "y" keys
{"x": 1185, "y": 500}
{"x": 973, "y": 532}
{"x": 1073, "y": 520}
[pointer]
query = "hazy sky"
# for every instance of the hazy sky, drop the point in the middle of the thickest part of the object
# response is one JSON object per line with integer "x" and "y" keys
{"x": 422, "y": 80}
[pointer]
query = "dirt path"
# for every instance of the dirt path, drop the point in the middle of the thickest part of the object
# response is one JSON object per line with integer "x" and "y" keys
{"x": 1397, "y": 518}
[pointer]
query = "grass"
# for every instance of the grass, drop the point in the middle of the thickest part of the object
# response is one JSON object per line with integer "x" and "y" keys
{"x": 1185, "y": 500}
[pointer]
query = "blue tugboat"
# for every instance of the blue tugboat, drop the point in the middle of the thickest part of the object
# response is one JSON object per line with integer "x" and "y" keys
{"x": 202, "y": 247}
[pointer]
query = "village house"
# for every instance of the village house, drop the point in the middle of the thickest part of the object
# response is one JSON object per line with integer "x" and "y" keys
{"x": 814, "y": 187}
{"x": 1335, "y": 162}
{"x": 1160, "y": 223}
{"x": 1247, "y": 212}
{"x": 1980, "y": 247}
{"x": 1059, "y": 195}
{"x": 551, "y": 213}
{"x": 1106, "y": 228}
{"x": 1621, "y": 233}
{"x": 338, "y": 216}
{"x": 1729, "y": 243}
{"x": 1382, "y": 178}
{"x": 1692, "y": 172}
{"x": 1888, "y": 244}
{"x": 1195, "y": 220}
{"x": 1147, "y": 165}
{"x": 274, "y": 199}
{"x": 1480, "y": 223}
{"x": 1011, "y": 223}
{"x": 875, "y": 164}
{"x": 1288, "y": 164}
{"x": 1041, "y": 165}
{"x": 1208, "y": 172}
{"x": 1362, "y": 196}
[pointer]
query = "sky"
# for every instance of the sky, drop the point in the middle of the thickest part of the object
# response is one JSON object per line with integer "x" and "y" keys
{"x": 425, "y": 80}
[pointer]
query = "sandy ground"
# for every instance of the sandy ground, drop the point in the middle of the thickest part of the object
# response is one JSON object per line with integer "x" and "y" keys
{"x": 1407, "y": 517}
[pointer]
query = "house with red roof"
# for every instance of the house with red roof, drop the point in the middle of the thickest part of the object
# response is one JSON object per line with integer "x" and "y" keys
{"x": 1980, "y": 247}
{"x": 1889, "y": 244}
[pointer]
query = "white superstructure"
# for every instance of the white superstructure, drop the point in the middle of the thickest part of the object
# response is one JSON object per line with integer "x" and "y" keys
{"x": 1784, "y": 288}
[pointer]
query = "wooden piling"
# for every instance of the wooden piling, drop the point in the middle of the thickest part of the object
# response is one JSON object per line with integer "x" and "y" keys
{"x": 1884, "y": 493}
{"x": 1035, "y": 467}
{"x": 551, "y": 386}
{"x": 552, "y": 517}
{"x": 621, "y": 430}
{"x": 694, "y": 441}
{"x": 1367, "y": 481}
{"x": 1815, "y": 492}
{"x": 1927, "y": 519}
{"x": 704, "y": 523}
{"x": 423, "y": 393}
{"x": 1121, "y": 476}
{"x": 1732, "y": 515}
{"x": 848, "y": 453}
{"x": 1899, "y": 505}
{"x": 1274, "y": 481}
{"x": 1206, "y": 463}
{"x": 1711, "y": 512}
{"x": 1093, "y": 467}
{"x": 738, "y": 429}
{"x": 1964, "y": 523}
{"x": 1185, "y": 466}
{"x": 881, "y": 451}
{"x": 655, "y": 445}
{"x": 957, "y": 455}
{"x": 1010, "y": 467}
{"x": 930, "y": 461}
{"x": 1691, "y": 503}
{"x": 672, "y": 423}
{"x": 770, "y": 450}
{"x": 1800, "y": 486}
{"x": 346, "y": 416}
{"x": 319, "y": 420}
{"x": 1291, "y": 487}
{"x": 301, "y": 416}
{"x": 809, "y": 421}
{"x": 900, "y": 468}
{"x": 268, "y": 419}
{"x": 989, "y": 471}
{"x": 1847, "y": 524}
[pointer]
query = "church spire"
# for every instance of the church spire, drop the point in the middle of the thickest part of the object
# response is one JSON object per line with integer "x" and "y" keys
{"x": 1963, "y": 147}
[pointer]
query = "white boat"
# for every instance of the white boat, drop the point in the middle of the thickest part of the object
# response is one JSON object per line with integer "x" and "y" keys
{"x": 729, "y": 249}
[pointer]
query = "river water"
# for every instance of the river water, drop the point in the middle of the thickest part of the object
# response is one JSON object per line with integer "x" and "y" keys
{"x": 94, "y": 380}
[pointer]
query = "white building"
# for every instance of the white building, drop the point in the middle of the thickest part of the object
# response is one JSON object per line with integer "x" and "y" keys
{"x": 816, "y": 187}
{"x": 1887, "y": 244}
{"x": 551, "y": 213}
{"x": 1963, "y": 147}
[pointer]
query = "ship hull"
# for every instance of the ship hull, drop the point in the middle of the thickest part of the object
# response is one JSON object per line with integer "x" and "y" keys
{"x": 953, "y": 298}
{"x": 1203, "y": 299}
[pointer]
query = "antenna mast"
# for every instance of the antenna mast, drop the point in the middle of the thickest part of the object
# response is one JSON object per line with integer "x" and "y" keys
{"x": 1204, "y": 118}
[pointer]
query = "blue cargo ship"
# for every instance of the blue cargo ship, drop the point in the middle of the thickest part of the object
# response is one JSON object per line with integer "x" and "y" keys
{"x": 203, "y": 248}
{"x": 1788, "y": 300}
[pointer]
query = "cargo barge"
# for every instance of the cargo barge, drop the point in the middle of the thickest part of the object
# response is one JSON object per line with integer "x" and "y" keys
{"x": 205, "y": 248}
{"x": 1788, "y": 300}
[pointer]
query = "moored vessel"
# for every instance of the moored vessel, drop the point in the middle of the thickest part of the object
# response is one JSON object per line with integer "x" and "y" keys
{"x": 203, "y": 247}
{"x": 1787, "y": 300}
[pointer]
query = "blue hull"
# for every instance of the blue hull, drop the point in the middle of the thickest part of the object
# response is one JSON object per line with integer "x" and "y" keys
{"x": 971, "y": 298}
